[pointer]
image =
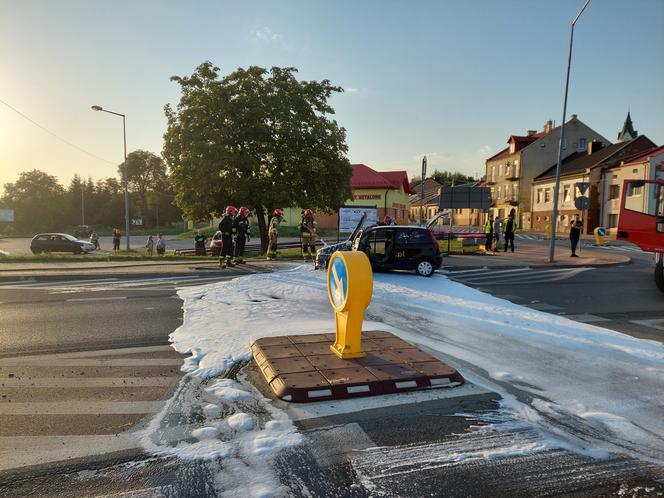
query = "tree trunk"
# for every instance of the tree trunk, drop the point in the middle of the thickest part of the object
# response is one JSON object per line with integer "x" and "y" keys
{"x": 262, "y": 228}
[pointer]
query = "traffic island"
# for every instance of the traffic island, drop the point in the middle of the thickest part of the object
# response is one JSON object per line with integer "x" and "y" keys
{"x": 303, "y": 368}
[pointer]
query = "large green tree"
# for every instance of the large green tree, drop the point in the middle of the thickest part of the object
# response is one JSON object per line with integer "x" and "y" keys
{"x": 147, "y": 178}
{"x": 255, "y": 137}
{"x": 36, "y": 198}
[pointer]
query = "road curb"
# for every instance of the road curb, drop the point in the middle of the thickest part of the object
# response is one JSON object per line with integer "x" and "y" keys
{"x": 537, "y": 265}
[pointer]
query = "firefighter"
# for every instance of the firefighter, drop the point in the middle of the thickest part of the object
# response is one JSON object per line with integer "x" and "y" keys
{"x": 273, "y": 233}
{"x": 241, "y": 232}
{"x": 308, "y": 234}
{"x": 226, "y": 229}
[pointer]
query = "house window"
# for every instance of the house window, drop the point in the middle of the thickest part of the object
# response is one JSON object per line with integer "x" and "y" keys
{"x": 539, "y": 196}
{"x": 566, "y": 193}
{"x": 635, "y": 191}
{"x": 613, "y": 220}
{"x": 635, "y": 171}
{"x": 547, "y": 195}
{"x": 507, "y": 170}
{"x": 614, "y": 176}
{"x": 500, "y": 170}
{"x": 614, "y": 192}
{"x": 583, "y": 143}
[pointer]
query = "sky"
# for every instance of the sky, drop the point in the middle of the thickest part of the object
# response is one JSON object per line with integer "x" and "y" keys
{"x": 448, "y": 79}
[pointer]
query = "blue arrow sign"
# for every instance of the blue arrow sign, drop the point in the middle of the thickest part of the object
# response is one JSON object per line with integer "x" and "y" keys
{"x": 338, "y": 276}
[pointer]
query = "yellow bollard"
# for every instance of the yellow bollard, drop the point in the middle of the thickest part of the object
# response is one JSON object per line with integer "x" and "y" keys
{"x": 599, "y": 232}
{"x": 547, "y": 230}
{"x": 349, "y": 287}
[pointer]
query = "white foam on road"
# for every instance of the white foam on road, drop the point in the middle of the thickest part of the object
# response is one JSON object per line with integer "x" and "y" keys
{"x": 577, "y": 386}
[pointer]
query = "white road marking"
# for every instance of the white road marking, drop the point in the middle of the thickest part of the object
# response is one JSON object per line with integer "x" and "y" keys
{"x": 81, "y": 408}
{"x": 90, "y": 362}
{"x": 76, "y": 382}
{"x": 656, "y": 323}
{"x": 113, "y": 298}
{"x": 99, "y": 352}
{"x": 543, "y": 307}
{"x": 22, "y": 451}
{"x": 587, "y": 318}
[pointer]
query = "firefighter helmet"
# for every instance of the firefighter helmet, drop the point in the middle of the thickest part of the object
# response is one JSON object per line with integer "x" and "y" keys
{"x": 278, "y": 212}
{"x": 308, "y": 212}
{"x": 244, "y": 211}
{"x": 387, "y": 220}
{"x": 232, "y": 210}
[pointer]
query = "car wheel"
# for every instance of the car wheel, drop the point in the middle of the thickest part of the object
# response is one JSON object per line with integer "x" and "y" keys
{"x": 35, "y": 251}
{"x": 424, "y": 268}
{"x": 659, "y": 274}
{"x": 77, "y": 251}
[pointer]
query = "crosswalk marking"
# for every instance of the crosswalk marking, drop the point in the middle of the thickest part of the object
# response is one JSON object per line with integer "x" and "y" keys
{"x": 81, "y": 408}
{"x": 51, "y": 403}
{"x": 91, "y": 362}
{"x": 76, "y": 383}
{"x": 525, "y": 275}
{"x": 21, "y": 451}
{"x": 112, "y": 298}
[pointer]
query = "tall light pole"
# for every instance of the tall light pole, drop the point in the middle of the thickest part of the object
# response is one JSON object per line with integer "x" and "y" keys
{"x": 556, "y": 189}
{"x": 424, "y": 175}
{"x": 126, "y": 176}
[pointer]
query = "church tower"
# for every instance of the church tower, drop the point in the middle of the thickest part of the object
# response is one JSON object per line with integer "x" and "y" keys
{"x": 628, "y": 132}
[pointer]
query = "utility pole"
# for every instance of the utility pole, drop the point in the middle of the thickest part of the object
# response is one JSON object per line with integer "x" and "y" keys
{"x": 424, "y": 175}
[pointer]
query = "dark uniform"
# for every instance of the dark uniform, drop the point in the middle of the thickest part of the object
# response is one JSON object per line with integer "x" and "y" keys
{"x": 241, "y": 231}
{"x": 226, "y": 229}
{"x": 199, "y": 244}
{"x": 509, "y": 230}
{"x": 308, "y": 229}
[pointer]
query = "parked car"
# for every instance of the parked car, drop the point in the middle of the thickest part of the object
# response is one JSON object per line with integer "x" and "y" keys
{"x": 59, "y": 242}
{"x": 391, "y": 247}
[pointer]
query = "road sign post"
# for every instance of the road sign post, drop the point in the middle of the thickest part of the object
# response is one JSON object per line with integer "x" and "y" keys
{"x": 349, "y": 287}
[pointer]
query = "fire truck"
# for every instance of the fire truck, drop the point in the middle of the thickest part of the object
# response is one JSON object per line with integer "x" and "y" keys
{"x": 641, "y": 220}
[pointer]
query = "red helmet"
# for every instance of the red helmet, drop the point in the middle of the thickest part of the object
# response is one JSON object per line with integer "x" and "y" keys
{"x": 278, "y": 212}
{"x": 244, "y": 211}
{"x": 308, "y": 212}
{"x": 387, "y": 220}
{"x": 231, "y": 210}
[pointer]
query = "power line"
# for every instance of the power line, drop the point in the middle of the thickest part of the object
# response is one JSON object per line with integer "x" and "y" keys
{"x": 80, "y": 149}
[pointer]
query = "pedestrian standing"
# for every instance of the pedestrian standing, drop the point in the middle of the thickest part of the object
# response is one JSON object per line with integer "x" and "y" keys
{"x": 488, "y": 233}
{"x": 273, "y": 233}
{"x": 497, "y": 224}
{"x": 149, "y": 245}
{"x": 161, "y": 245}
{"x": 199, "y": 243}
{"x": 508, "y": 231}
{"x": 308, "y": 231}
{"x": 226, "y": 229}
{"x": 116, "y": 239}
{"x": 241, "y": 227}
{"x": 575, "y": 235}
{"x": 94, "y": 239}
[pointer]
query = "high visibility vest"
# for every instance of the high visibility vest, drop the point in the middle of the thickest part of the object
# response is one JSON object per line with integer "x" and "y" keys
{"x": 487, "y": 226}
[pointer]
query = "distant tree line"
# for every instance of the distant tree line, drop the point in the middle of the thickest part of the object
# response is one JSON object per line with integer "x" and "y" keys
{"x": 42, "y": 204}
{"x": 446, "y": 178}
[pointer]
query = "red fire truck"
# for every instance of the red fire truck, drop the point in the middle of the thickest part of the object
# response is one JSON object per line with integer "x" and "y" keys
{"x": 641, "y": 220}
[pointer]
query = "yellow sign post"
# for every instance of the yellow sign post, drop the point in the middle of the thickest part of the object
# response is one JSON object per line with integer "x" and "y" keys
{"x": 349, "y": 287}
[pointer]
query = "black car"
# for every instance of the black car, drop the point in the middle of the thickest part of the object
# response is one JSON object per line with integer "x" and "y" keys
{"x": 391, "y": 247}
{"x": 59, "y": 242}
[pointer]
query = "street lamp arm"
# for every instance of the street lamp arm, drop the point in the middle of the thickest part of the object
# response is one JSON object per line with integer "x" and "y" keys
{"x": 580, "y": 12}
{"x": 100, "y": 108}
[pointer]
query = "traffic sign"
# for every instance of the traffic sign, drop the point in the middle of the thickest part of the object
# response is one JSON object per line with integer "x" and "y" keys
{"x": 349, "y": 287}
{"x": 582, "y": 186}
{"x": 582, "y": 203}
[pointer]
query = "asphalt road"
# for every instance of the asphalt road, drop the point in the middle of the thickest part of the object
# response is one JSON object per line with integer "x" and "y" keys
{"x": 83, "y": 362}
{"x": 623, "y": 297}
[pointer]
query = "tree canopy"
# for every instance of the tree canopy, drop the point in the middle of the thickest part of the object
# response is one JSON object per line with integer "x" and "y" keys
{"x": 446, "y": 178}
{"x": 255, "y": 137}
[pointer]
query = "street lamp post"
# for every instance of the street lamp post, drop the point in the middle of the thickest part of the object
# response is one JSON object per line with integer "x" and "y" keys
{"x": 126, "y": 176}
{"x": 556, "y": 190}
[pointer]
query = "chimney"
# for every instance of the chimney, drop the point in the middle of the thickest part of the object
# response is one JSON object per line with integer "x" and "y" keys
{"x": 531, "y": 132}
{"x": 548, "y": 126}
{"x": 594, "y": 146}
{"x": 574, "y": 116}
